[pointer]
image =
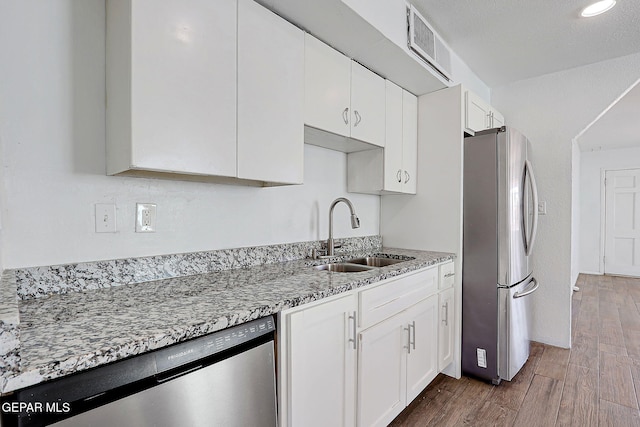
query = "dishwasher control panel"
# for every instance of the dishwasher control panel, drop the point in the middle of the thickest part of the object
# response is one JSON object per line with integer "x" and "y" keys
{"x": 180, "y": 354}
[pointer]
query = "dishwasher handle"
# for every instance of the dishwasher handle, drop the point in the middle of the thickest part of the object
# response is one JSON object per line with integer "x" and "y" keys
{"x": 529, "y": 290}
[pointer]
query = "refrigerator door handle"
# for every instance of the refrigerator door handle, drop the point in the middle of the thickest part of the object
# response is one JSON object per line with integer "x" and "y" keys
{"x": 528, "y": 291}
{"x": 530, "y": 239}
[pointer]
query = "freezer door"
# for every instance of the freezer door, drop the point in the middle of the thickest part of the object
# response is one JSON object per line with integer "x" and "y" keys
{"x": 514, "y": 318}
{"x": 513, "y": 263}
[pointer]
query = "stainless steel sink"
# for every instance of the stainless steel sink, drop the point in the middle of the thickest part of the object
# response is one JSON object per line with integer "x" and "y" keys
{"x": 375, "y": 261}
{"x": 343, "y": 267}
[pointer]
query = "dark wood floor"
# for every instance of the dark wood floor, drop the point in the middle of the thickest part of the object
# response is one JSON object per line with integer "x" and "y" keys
{"x": 596, "y": 383}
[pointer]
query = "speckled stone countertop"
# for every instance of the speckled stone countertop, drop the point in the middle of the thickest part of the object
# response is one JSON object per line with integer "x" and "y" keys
{"x": 64, "y": 333}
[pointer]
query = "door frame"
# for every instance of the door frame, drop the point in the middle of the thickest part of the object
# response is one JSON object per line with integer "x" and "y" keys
{"x": 603, "y": 212}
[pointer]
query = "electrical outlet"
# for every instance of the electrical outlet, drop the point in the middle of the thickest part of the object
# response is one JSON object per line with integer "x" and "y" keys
{"x": 145, "y": 217}
{"x": 481, "y": 354}
{"x": 105, "y": 218}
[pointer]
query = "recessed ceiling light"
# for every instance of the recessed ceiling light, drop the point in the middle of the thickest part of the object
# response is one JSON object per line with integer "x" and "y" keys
{"x": 598, "y": 8}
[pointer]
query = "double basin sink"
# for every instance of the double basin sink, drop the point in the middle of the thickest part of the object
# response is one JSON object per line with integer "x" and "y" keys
{"x": 359, "y": 264}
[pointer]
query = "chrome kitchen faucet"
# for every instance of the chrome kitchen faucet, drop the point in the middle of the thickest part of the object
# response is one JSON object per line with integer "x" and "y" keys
{"x": 355, "y": 221}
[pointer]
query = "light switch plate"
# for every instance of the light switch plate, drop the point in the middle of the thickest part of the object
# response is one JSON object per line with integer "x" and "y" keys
{"x": 145, "y": 217}
{"x": 105, "y": 218}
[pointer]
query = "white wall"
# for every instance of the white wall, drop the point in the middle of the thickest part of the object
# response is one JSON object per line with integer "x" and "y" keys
{"x": 593, "y": 163}
{"x": 52, "y": 131}
{"x": 551, "y": 110}
{"x": 575, "y": 211}
{"x": 465, "y": 76}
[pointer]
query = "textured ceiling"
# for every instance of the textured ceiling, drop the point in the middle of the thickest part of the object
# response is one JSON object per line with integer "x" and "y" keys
{"x": 618, "y": 127}
{"x": 503, "y": 41}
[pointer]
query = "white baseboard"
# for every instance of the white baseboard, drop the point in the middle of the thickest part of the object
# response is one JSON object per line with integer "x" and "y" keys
{"x": 592, "y": 273}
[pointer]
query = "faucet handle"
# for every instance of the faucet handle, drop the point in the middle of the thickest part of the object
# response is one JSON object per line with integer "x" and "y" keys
{"x": 317, "y": 253}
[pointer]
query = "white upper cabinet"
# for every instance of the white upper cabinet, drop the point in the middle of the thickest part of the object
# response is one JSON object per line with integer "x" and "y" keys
{"x": 171, "y": 86}
{"x": 394, "y": 168}
{"x": 205, "y": 90}
{"x": 367, "y": 105}
{"x": 409, "y": 142}
{"x": 393, "y": 151}
{"x": 342, "y": 96}
{"x": 479, "y": 115}
{"x": 327, "y": 88}
{"x": 270, "y": 96}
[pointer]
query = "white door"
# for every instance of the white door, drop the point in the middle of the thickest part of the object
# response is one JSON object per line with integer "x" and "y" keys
{"x": 367, "y": 105}
{"x": 622, "y": 222}
{"x": 327, "y": 97}
{"x": 183, "y": 86}
{"x": 393, "y": 138}
{"x": 270, "y": 96}
{"x": 322, "y": 364}
{"x": 409, "y": 142}
{"x": 422, "y": 363}
{"x": 382, "y": 381}
{"x": 446, "y": 329}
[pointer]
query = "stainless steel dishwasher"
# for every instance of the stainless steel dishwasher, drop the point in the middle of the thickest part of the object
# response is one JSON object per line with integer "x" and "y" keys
{"x": 223, "y": 379}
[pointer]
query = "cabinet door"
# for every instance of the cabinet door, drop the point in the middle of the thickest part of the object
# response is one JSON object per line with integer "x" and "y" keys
{"x": 446, "y": 329}
{"x": 327, "y": 75}
{"x": 497, "y": 119}
{"x": 367, "y": 105}
{"x": 270, "y": 96}
{"x": 409, "y": 142}
{"x": 393, "y": 145}
{"x": 322, "y": 364}
{"x": 422, "y": 357}
{"x": 476, "y": 112}
{"x": 183, "y": 86}
{"x": 381, "y": 372}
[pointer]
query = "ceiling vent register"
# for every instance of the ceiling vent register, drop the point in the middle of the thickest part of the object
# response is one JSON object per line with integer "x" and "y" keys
{"x": 426, "y": 43}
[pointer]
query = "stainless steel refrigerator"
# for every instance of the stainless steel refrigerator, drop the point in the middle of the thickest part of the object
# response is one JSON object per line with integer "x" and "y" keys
{"x": 500, "y": 221}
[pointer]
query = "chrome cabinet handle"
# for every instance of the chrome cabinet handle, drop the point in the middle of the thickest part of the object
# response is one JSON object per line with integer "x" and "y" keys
{"x": 408, "y": 346}
{"x": 413, "y": 326}
{"x": 399, "y": 175}
{"x": 353, "y": 330}
{"x": 358, "y": 118}
{"x": 449, "y": 274}
{"x": 407, "y": 177}
{"x": 345, "y": 116}
{"x": 527, "y": 291}
{"x": 446, "y": 314}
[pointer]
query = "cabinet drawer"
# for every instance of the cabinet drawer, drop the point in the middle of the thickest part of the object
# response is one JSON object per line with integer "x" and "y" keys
{"x": 447, "y": 275}
{"x": 386, "y": 300}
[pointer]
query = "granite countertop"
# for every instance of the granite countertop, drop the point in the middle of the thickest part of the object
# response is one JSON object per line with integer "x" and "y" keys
{"x": 65, "y": 333}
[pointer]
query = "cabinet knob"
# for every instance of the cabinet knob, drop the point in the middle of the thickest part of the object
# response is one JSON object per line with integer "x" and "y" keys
{"x": 345, "y": 116}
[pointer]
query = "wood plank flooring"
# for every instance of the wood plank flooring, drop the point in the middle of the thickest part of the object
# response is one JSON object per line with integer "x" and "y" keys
{"x": 595, "y": 383}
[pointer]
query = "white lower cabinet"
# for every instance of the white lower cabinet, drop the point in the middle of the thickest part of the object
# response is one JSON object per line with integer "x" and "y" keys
{"x": 397, "y": 359}
{"x": 320, "y": 364}
{"x": 447, "y": 330}
{"x": 360, "y": 358}
{"x": 422, "y": 363}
